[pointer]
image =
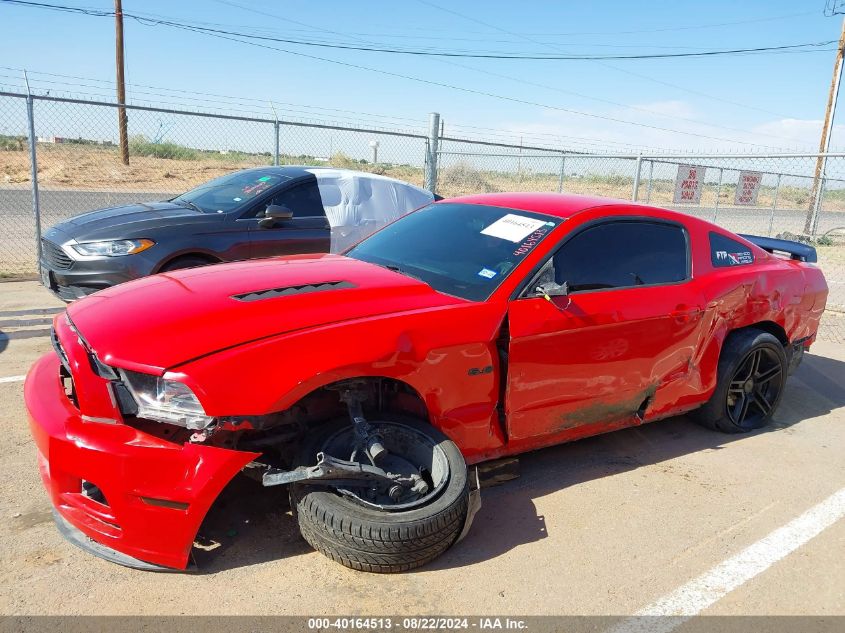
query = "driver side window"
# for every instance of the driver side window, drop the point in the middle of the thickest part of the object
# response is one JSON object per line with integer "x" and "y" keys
{"x": 303, "y": 200}
{"x": 621, "y": 254}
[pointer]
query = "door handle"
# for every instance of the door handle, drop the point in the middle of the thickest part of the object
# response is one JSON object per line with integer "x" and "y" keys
{"x": 685, "y": 314}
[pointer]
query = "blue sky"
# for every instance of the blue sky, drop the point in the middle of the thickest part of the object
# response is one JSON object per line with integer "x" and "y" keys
{"x": 708, "y": 103}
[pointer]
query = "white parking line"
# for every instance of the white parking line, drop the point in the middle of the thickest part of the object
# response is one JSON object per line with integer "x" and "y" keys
{"x": 698, "y": 594}
{"x": 12, "y": 379}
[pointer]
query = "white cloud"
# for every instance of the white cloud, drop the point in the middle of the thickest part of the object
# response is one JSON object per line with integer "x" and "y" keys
{"x": 802, "y": 131}
{"x": 777, "y": 135}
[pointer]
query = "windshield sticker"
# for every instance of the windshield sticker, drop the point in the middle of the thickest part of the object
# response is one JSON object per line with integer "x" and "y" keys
{"x": 264, "y": 179}
{"x": 513, "y": 228}
{"x": 486, "y": 272}
{"x": 237, "y": 199}
{"x": 254, "y": 190}
{"x": 531, "y": 241}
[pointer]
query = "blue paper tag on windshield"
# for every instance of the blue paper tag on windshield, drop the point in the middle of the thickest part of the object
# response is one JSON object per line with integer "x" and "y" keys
{"x": 486, "y": 272}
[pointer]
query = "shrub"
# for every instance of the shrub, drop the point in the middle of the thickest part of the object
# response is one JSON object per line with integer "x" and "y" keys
{"x": 12, "y": 143}
{"x": 140, "y": 145}
{"x": 461, "y": 178}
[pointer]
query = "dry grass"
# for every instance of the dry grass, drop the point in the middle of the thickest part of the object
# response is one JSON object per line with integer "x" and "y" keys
{"x": 99, "y": 168}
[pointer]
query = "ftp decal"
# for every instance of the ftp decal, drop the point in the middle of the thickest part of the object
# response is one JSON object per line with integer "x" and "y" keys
{"x": 735, "y": 259}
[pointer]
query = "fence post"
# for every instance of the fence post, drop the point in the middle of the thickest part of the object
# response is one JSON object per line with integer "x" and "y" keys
{"x": 562, "y": 168}
{"x": 718, "y": 192}
{"x": 815, "y": 202}
{"x": 650, "y": 180}
{"x": 636, "y": 193}
{"x": 33, "y": 162}
{"x": 276, "y": 150}
{"x": 819, "y": 207}
{"x": 433, "y": 148}
{"x": 774, "y": 206}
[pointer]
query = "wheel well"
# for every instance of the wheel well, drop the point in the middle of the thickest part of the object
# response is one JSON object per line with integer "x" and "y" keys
{"x": 382, "y": 395}
{"x": 279, "y": 435}
{"x": 211, "y": 259}
{"x": 767, "y": 326}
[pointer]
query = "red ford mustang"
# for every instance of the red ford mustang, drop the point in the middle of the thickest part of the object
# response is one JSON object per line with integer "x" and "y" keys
{"x": 471, "y": 329}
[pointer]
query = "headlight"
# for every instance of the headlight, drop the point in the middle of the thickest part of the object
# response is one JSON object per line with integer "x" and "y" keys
{"x": 166, "y": 400}
{"x": 112, "y": 248}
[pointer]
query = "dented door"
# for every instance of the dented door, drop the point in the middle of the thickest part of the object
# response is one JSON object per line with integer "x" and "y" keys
{"x": 594, "y": 361}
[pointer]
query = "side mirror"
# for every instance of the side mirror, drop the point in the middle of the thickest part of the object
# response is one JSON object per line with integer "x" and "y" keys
{"x": 274, "y": 213}
{"x": 551, "y": 289}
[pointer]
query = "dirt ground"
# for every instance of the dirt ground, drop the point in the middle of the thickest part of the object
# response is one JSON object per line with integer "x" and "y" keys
{"x": 79, "y": 167}
{"x": 606, "y": 525}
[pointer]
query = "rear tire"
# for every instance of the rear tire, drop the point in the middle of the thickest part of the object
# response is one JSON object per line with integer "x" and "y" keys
{"x": 751, "y": 376}
{"x": 367, "y": 538}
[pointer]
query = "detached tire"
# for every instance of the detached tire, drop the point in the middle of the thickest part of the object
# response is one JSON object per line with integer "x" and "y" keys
{"x": 361, "y": 536}
{"x": 751, "y": 376}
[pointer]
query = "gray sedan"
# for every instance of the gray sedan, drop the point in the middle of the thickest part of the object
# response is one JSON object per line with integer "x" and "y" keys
{"x": 252, "y": 213}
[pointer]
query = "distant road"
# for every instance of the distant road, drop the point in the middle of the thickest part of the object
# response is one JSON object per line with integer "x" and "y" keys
{"x": 58, "y": 205}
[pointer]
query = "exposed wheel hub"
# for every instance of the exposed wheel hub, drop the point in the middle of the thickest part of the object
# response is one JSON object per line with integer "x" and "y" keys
{"x": 417, "y": 466}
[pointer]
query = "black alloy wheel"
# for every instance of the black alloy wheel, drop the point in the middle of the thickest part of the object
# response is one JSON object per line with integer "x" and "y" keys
{"x": 755, "y": 388}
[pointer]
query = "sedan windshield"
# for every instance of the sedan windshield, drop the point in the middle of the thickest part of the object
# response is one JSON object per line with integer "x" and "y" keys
{"x": 229, "y": 192}
{"x": 465, "y": 250}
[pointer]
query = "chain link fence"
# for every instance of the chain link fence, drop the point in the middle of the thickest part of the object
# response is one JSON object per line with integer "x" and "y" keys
{"x": 80, "y": 168}
{"x": 80, "y": 165}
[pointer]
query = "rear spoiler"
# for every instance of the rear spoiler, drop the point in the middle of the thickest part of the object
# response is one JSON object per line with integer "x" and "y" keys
{"x": 796, "y": 250}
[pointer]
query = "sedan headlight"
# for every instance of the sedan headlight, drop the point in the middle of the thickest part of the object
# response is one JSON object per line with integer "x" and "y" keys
{"x": 112, "y": 248}
{"x": 166, "y": 400}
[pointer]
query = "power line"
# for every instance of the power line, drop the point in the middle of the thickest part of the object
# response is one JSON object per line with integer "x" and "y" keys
{"x": 432, "y": 53}
{"x": 695, "y": 27}
{"x": 240, "y": 100}
{"x": 104, "y": 13}
{"x": 509, "y": 77}
{"x": 453, "y": 63}
{"x": 606, "y": 65}
{"x": 52, "y": 88}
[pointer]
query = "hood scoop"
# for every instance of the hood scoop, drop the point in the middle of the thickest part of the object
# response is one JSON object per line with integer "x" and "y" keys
{"x": 272, "y": 293}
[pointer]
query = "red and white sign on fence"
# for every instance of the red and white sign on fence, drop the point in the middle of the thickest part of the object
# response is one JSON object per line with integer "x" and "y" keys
{"x": 689, "y": 183}
{"x": 747, "y": 188}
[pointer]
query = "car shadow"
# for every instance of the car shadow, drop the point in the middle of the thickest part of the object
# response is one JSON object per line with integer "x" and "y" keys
{"x": 249, "y": 524}
{"x": 508, "y": 517}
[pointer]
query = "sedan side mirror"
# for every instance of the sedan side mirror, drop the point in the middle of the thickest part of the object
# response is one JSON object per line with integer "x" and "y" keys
{"x": 274, "y": 213}
{"x": 552, "y": 289}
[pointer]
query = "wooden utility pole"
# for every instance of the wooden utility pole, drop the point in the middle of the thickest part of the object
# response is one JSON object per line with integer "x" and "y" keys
{"x": 121, "y": 88}
{"x": 827, "y": 129}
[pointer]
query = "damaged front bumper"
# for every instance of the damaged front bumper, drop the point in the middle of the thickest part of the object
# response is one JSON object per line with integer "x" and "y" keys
{"x": 140, "y": 499}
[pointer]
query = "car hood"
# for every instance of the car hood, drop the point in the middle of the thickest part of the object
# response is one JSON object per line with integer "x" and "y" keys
{"x": 165, "y": 320}
{"x": 125, "y": 221}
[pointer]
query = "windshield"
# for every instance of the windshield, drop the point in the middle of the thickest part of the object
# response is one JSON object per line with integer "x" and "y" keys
{"x": 229, "y": 192}
{"x": 465, "y": 250}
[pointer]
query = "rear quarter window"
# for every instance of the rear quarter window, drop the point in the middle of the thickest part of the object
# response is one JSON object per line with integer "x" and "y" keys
{"x": 726, "y": 253}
